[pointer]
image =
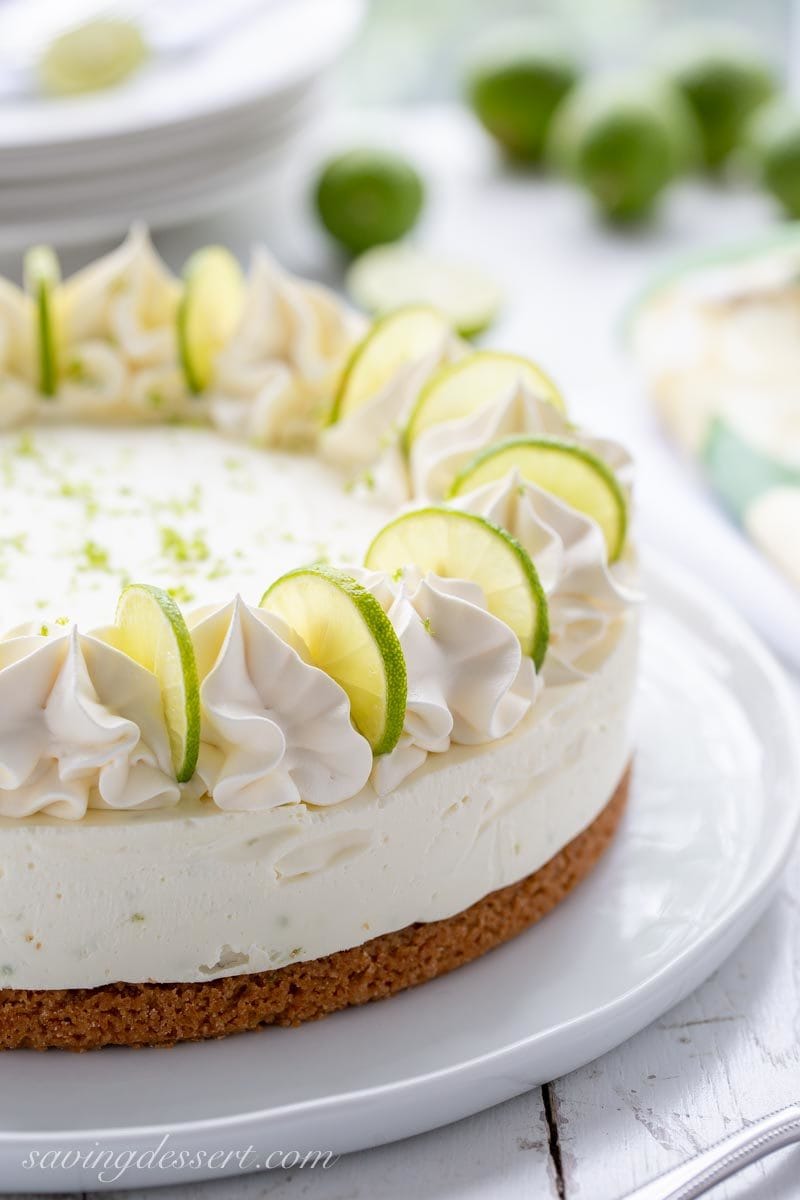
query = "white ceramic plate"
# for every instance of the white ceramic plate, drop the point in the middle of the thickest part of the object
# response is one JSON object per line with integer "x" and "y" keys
{"x": 713, "y": 812}
{"x": 274, "y": 51}
{"x": 142, "y": 183}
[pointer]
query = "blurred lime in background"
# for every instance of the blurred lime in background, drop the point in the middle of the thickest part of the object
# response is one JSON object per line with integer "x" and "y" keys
{"x": 386, "y": 278}
{"x": 366, "y": 197}
{"x": 515, "y": 82}
{"x": 91, "y": 56}
{"x": 724, "y": 77}
{"x": 774, "y": 144}
{"x": 624, "y": 139}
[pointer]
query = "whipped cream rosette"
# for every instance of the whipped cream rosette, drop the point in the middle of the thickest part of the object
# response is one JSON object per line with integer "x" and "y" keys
{"x": 437, "y": 455}
{"x": 80, "y": 728}
{"x": 274, "y": 380}
{"x": 275, "y": 730}
{"x": 117, "y": 338}
{"x": 362, "y": 438}
{"x": 586, "y": 597}
{"x": 468, "y": 680}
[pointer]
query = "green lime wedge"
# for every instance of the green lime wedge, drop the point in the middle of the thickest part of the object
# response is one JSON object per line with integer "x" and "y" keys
{"x": 94, "y": 55}
{"x": 42, "y": 276}
{"x": 350, "y": 638}
{"x": 390, "y": 277}
{"x": 459, "y": 545}
{"x": 461, "y": 388}
{"x": 395, "y": 341}
{"x": 565, "y": 469}
{"x": 152, "y": 631}
{"x": 209, "y": 312}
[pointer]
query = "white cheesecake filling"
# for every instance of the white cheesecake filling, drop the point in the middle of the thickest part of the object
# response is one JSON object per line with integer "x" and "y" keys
{"x": 195, "y": 893}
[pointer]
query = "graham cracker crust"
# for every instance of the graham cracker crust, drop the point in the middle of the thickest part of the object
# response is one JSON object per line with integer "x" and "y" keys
{"x": 161, "y": 1014}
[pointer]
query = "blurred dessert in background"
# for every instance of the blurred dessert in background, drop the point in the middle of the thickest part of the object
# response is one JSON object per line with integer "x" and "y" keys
{"x": 719, "y": 345}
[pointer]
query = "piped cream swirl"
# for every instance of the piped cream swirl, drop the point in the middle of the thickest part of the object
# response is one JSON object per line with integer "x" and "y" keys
{"x": 275, "y": 730}
{"x": 441, "y": 451}
{"x": 274, "y": 381}
{"x": 585, "y": 596}
{"x": 468, "y": 681}
{"x": 81, "y": 727}
{"x": 118, "y": 329}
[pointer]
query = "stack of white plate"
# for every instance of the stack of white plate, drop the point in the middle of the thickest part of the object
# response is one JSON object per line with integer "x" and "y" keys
{"x": 186, "y": 135}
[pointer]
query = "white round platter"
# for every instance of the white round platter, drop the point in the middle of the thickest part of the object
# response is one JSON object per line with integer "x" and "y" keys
{"x": 272, "y": 52}
{"x": 94, "y": 161}
{"x": 713, "y": 813}
{"x": 222, "y": 186}
{"x": 142, "y": 183}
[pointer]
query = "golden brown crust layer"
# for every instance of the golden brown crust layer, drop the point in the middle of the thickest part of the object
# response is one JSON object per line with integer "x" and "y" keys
{"x": 164, "y": 1013}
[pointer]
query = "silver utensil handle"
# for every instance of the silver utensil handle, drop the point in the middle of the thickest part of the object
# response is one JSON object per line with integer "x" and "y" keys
{"x": 732, "y": 1154}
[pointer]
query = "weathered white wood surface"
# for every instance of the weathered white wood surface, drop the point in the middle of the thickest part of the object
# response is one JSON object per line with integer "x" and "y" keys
{"x": 731, "y": 1052}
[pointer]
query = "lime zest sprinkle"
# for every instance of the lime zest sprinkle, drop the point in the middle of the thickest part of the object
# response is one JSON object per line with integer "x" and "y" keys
{"x": 181, "y": 593}
{"x": 182, "y": 549}
{"x": 95, "y": 556}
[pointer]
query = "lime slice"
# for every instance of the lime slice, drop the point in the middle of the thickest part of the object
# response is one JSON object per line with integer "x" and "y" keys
{"x": 391, "y": 277}
{"x": 94, "y": 55}
{"x": 42, "y": 282}
{"x": 569, "y": 471}
{"x": 461, "y": 388}
{"x": 401, "y": 338}
{"x": 209, "y": 312}
{"x": 459, "y": 545}
{"x": 152, "y": 631}
{"x": 350, "y": 638}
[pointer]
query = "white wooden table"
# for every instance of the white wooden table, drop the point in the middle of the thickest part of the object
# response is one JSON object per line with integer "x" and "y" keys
{"x": 731, "y": 1052}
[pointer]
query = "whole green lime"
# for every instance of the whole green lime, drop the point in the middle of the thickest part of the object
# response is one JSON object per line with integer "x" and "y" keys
{"x": 368, "y": 197}
{"x": 724, "y": 79}
{"x": 774, "y": 142}
{"x": 515, "y": 83}
{"x": 624, "y": 139}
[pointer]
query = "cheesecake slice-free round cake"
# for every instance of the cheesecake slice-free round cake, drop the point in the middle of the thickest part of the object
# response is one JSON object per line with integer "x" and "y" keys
{"x": 319, "y": 651}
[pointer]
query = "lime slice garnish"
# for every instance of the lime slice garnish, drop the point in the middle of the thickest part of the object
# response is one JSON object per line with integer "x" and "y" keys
{"x": 395, "y": 341}
{"x": 152, "y": 631}
{"x": 350, "y": 638}
{"x": 94, "y": 55}
{"x": 461, "y": 388}
{"x": 42, "y": 276}
{"x": 459, "y": 545}
{"x": 565, "y": 469}
{"x": 391, "y": 277}
{"x": 209, "y": 312}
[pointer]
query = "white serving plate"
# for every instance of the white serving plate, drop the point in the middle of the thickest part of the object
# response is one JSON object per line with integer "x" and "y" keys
{"x": 713, "y": 813}
{"x": 140, "y": 183}
{"x": 283, "y": 46}
{"x": 93, "y": 162}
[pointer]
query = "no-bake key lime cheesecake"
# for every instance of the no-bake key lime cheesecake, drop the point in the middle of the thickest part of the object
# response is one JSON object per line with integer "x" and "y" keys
{"x": 239, "y": 789}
